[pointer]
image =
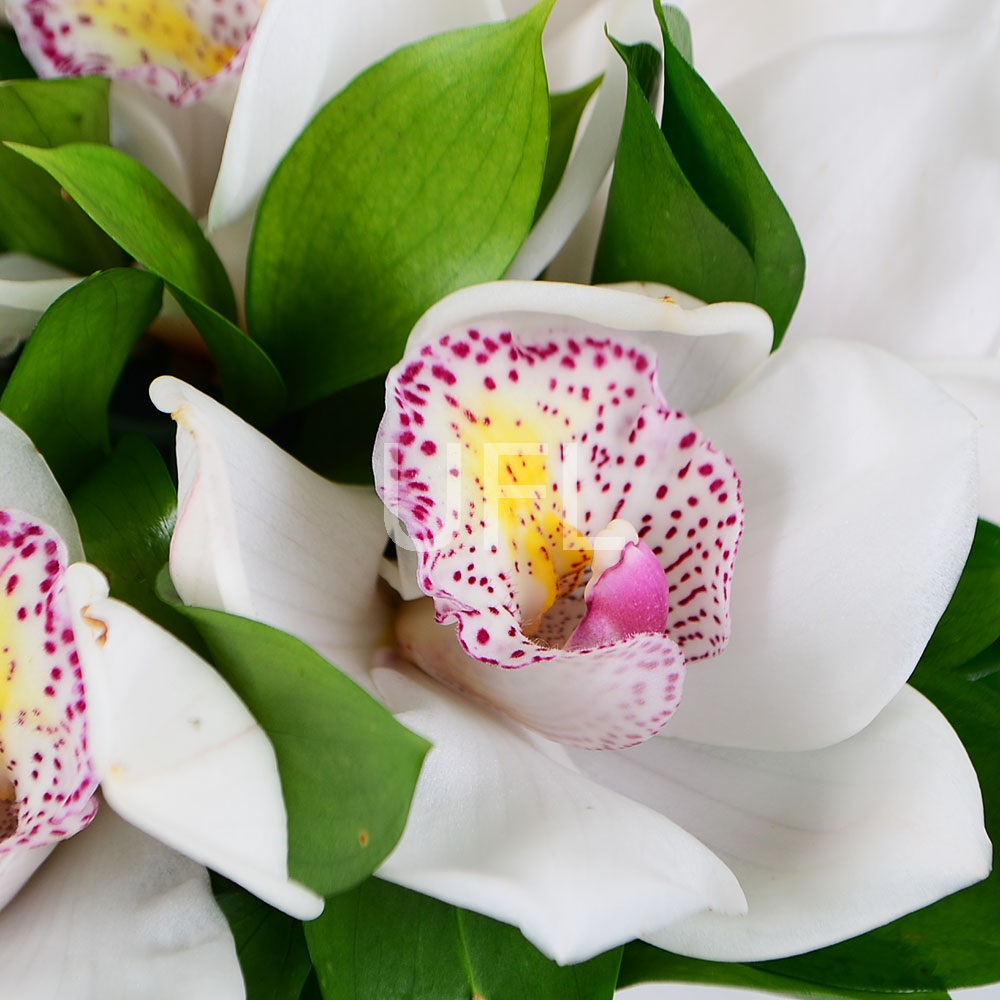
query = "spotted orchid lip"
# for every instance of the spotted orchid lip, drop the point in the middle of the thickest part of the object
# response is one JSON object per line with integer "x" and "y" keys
{"x": 51, "y": 776}
{"x": 179, "y": 51}
{"x": 505, "y": 457}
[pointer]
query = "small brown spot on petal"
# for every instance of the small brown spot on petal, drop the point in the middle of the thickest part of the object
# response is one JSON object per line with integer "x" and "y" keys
{"x": 97, "y": 624}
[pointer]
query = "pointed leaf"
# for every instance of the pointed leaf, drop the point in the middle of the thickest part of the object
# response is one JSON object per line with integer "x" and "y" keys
{"x": 698, "y": 169}
{"x": 348, "y": 769}
{"x": 135, "y": 209}
{"x": 57, "y": 394}
{"x": 382, "y": 942}
{"x": 438, "y": 162}
{"x": 126, "y": 511}
{"x": 138, "y": 211}
{"x": 269, "y": 944}
{"x": 37, "y": 218}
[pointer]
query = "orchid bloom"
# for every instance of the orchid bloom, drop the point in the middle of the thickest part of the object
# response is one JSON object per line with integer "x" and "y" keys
{"x": 97, "y": 702}
{"x": 713, "y": 835}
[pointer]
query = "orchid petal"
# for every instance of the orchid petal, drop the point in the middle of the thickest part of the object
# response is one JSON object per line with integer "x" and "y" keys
{"x": 870, "y": 142}
{"x": 733, "y": 38}
{"x": 490, "y": 804}
{"x": 26, "y": 483}
{"x": 115, "y": 914}
{"x": 304, "y": 52}
{"x": 826, "y": 844}
{"x": 704, "y": 351}
{"x": 28, "y": 286}
{"x": 177, "y": 51}
{"x": 260, "y": 535}
{"x": 976, "y": 384}
{"x": 859, "y": 483}
{"x": 180, "y": 755}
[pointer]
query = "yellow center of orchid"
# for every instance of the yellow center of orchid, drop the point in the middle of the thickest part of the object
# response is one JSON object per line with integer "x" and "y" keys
{"x": 522, "y": 479}
{"x": 164, "y": 31}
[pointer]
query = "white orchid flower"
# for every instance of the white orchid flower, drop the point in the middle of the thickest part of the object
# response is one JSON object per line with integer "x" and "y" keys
{"x": 95, "y": 697}
{"x": 796, "y": 791}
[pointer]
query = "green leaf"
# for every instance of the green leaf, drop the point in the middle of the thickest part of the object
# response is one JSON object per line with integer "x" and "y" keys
{"x": 972, "y": 619}
{"x": 126, "y": 511}
{"x": 656, "y": 227}
{"x": 699, "y": 169}
{"x": 420, "y": 178}
{"x": 382, "y": 942}
{"x": 37, "y": 217}
{"x": 137, "y": 211}
{"x": 270, "y": 946}
{"x": 61, "y": 387}
{"x": 348, "y": 769}
{"x": 565, "y": 111}
{"x": 642, "y": 963}
{"x": 13, "y": 65}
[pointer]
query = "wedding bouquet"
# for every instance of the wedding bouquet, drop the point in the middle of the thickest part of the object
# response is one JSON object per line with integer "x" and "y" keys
{"x": 573, "y": 561}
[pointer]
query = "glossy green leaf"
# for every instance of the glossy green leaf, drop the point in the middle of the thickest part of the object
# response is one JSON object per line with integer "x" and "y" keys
{"x": 270, "y": 946}
{"x": 13, "y": 65}
{"x": 37, "y": 217}
{"x": 565, "y": 111}
{"x": 642, "y": 963}
{"x": 136, "y": 210}
{"x": 656, "y": 227}
{"x": 421, "y": 177}
{"x": 61, "y": 387}
{"x": 382, "y": 942}
{"x": 700, "y": 168}
{"x": 972, "y": 619}
{"x": 126, "y": 511}
{"x": 348, "y": 769}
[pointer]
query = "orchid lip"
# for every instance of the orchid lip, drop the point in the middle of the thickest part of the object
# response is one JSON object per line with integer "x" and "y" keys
{"x": 518, "y": 463}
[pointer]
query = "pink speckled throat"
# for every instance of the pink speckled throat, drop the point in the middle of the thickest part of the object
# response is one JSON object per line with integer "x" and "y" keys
{"x": 50, "y": 779}
{"x": 572, "y": 525}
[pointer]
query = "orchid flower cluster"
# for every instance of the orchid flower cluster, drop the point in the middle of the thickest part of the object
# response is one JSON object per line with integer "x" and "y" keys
{"x": 552, "y": 585}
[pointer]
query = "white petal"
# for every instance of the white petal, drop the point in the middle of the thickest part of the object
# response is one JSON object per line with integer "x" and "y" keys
{"x": 859, "y": 487}
{"x": 260, "y": 535}
{"x": 179, "y": 754}
{"x": 303, "y": 53}
{"x": 28, "y": 286}
{"x": 502, "y": 825}
{"x": 703, "y": 352}
{"x": 976, "y": 384}
{"x": 875, "y": 146}
{"x": 27, "y": 484}
{"x": 17, "y": 866}
{"x": 732, "y": 37}
{"x": 113, "y": 914}
{"x": 826, "y": 844}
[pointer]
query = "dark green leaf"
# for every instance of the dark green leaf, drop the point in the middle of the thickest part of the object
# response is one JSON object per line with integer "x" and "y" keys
{"x": 37, "y": 218}
{"x": 270, "y": 945}
{"x": 382, "y": 942}
{"x": 420, "y": 178}
{"x": 564, "y": 117}
{"x": 690, "y": 206}
{"x": 126, "y": 512}
{"x": 135, "y": 209}
{"x": 972, "y": 619}
{"x": 13, "y": 65}
{"x": 347, "y": 768}
{"x": 62, "y": 385}
{"x": 656, "y": 227}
